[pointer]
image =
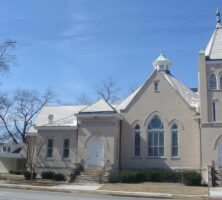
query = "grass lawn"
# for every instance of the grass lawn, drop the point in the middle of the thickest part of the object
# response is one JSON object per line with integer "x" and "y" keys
{"x": 35, "y": 182}
{"x": 10, "y": 176}
{"x": 171, "y": 188}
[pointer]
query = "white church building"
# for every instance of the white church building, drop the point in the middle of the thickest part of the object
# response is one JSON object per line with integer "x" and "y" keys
{"x": 161, "y": 125}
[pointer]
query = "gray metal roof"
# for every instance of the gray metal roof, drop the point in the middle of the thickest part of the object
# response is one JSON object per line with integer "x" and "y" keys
{"x": 214, "y": 47}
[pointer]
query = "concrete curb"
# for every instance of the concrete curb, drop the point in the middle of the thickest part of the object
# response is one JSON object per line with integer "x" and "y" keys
{"x": 99, "y": 192}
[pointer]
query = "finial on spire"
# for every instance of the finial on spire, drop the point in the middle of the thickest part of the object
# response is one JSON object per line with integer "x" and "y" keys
{"x": 218, "y": 19}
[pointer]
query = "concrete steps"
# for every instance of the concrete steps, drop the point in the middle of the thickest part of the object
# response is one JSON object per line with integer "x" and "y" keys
{"x": 218, "y": 177}
{"x": 90, "y": 175}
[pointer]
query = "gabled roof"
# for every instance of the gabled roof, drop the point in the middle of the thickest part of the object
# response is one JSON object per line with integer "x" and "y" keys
{"x": 214, "y": 47}
{"x": 62, "y": 116}
{"x": 187, "y": 94}
{"x": 100, "y": 106}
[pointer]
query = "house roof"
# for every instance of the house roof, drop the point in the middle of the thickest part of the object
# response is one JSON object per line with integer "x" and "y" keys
{"x": 62, "y": 116}
{"x": 100, "y": 106}
{"x": 214, "y": 47}
{"x": 188, "y": 95}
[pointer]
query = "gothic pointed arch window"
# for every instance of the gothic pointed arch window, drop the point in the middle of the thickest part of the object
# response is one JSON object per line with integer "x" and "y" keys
{"x": 137, "y": 140}
{"x": 155, "y": 137}
{"x": 212, "y": 82}
{"x": 221, "y": 80}
{"x": 175, "y": 143}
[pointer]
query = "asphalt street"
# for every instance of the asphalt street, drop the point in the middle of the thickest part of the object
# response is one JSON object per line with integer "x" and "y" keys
{"x": 16, "y": 194}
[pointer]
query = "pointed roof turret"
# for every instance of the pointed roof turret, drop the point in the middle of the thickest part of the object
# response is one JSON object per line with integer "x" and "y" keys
{"x": 213, "y": 50}
{"x": 162, "y": 63}
{"x": 218, "y": 19}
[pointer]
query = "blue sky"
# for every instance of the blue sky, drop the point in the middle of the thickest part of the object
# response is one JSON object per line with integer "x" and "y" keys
{"x": 72, "y": 45}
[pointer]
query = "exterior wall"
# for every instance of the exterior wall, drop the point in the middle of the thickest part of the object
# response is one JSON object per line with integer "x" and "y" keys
{"x": 7, "y": 164}
{"x": 107, "y": 130}
{"x": 210, "y": 138}
{"x": 214, "y": 95}
{"x": 211, "y": 131}
{"x": 170, "y": 107}
{"x": 57, "y": 163}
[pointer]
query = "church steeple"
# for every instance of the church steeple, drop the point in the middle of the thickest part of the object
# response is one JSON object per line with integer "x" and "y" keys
{"x": 218, "y": 19}
{"x": 162, "y": 63}
{"x": 214, "y": 48}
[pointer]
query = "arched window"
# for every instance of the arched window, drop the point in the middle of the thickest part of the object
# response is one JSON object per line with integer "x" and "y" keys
{"x": 212, "y": 82}
{"x": 137, "y": 140}
{"x": 155, "y": 137}
{"x": 175, "y": 145}
{"x": 221, "y": 81}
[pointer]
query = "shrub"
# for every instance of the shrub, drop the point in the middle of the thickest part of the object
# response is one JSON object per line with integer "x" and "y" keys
{"x": 59, "y": 177}
{"x": 191, "y": 178}
{"x": 138, "y": 176}
{"x": 17, "y": 172}
{"x": 48, "y": 175}
{"x": 27, "y": 175}
{"x": 127, "y": 176}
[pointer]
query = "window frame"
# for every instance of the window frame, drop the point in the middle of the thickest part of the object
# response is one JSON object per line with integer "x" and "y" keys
{"x": 136, "y": 131}
{"x": 209, "y": 82}
{"x": 66, "y": 148}
{"x": 48, "y": 148}
{"x": 4, "y": 149}
{"x": 220, "y": 80}
{"x": 173, "y": 130}
{"x": 214, "y": 111}
{"x": 154, "y": 132}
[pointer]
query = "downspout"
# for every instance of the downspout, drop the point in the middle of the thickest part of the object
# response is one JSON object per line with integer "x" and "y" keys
{"x": 120, "y": 134}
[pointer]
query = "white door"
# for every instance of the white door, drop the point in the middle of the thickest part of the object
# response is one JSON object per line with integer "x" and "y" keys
{"x": 96, "y": 153}
{"x": 220, "y": 154}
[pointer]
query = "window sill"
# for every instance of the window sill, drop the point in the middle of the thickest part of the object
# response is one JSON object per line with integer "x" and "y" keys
{"x": 50, "y": 159}
{"x": 175, "y": 158}
{"x": 156, "y": 157}
{"x": 137, "y": 157}
{"x": 156, "y": 91}
{"x": 66, "y": 159}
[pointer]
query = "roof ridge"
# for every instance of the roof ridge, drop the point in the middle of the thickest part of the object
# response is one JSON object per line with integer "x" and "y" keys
{"x": 59, "y": 120}
{"x": 213, "y": 41}
{"x": 101, "y": 99}
{"x": 64, "y": 105}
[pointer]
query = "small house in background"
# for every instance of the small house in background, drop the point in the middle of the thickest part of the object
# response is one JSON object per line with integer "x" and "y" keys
{"x": 12, "y": 157}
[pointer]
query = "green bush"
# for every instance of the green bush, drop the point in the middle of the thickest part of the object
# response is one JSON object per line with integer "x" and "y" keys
{"x": 27, "y": 175}
{"x": 138, "y": 176}
{"x": 48, "y": 175}
{"x": 59, "y": 177}
{"x": 17, "y": 172}
{"x": 191, "y": 178}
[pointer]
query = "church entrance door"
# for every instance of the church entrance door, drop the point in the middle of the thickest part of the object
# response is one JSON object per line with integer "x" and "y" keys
{"x": 96, "y": 153}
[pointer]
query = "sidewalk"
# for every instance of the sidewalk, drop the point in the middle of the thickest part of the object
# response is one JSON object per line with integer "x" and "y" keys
{"x": 96, "y": 189}
{"x": 216, "y": 192}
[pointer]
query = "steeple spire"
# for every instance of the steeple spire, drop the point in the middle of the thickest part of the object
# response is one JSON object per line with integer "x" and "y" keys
{"x": 218, "y": 19}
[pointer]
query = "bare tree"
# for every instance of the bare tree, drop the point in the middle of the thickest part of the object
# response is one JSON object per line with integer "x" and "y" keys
{"x": 6, "y": 55}
{"x": 108, "y": 90}
{"x": 83, "y": 99}
{"x": 34, "y": 148}
{"x": 18, "y": 111}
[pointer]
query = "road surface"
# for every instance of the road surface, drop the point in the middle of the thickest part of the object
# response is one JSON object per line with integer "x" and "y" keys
{"x": 16, "y": 194}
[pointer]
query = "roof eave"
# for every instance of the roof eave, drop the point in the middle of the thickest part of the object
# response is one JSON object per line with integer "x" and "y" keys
{"x": 40, "y": 128}
{"x": 89, "y": 115}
